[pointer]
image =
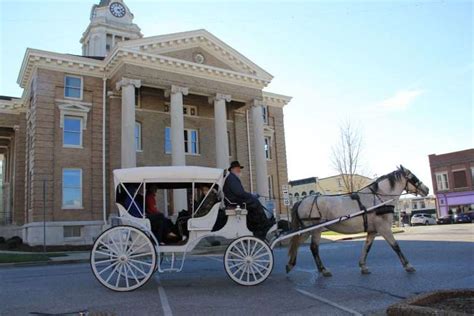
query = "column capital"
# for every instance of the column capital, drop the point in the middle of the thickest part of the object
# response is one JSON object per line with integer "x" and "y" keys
{"x": 127, "y": 81}
{"x": 220, "y": 97}
{"x": 257, "y": 103}
{"x": 176, "y": 89}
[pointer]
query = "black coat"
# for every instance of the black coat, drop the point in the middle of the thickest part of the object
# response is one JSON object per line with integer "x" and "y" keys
{"x": 235, "y": 193}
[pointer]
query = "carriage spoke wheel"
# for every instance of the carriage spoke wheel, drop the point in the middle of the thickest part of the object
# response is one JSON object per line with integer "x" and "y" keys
{"x": 248, "y": 260}
{"x": 123, "y": 258}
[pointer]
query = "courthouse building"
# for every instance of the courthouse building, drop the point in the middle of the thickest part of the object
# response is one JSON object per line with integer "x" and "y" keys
{"x": 176, "y": 99}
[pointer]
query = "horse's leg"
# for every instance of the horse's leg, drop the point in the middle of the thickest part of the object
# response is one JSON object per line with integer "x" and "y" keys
{"x": 295, "y": 242}
{"x": 365, "y": 251}
{"x": 315, "y": 238}
{"x": 388, "y": 236}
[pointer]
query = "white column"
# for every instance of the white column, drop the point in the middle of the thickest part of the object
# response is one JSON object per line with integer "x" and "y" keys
{"x": 220, "y": 126}
{"x": 178, "y": 157}
{"x": 129, "y": 157}
{"x": 259, "y": 149}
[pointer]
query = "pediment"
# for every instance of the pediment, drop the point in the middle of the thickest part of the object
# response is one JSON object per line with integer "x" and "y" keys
{"x": 187, "y": 46}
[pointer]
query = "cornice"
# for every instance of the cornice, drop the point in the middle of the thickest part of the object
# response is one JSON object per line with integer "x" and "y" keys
{"x": 63, "y": 62}
{"x": 276, "y": 100}
{"x": 175, "y": 65}
{"x": 14, "y": 106}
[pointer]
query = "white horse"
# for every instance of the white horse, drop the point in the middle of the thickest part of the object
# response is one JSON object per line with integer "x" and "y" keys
{"x": 316, "y": 209}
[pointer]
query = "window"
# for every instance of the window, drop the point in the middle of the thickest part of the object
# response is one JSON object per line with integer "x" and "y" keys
{"x": 303, "y": 195}
{"x": 297, "y": 197}
{"x": 472, "y": 176}
{"x": 265, "y": 114}
{"x": 460, "y": 180}
{"x": 73, "y": 87}
{"x": 138, "y": 136}
{"x": 442, "y": 181}
{"x": 414, "y": 205}
{"x": 228, "y": 142}
{"x": 72, "y": 231}
{"x": 138, "y": 97}
{"x": 72, "y": 131}
{"x": 72, "y": 188}
{"x": 270, "y": 187}
{"x": 423, "y": 205}
{"x": 191, "y": 141}
{"x": 190, "y": 110}
{"x": 312, "y": 192}
{"x": 268, "y": 151}
{"x": 167, "y": 140}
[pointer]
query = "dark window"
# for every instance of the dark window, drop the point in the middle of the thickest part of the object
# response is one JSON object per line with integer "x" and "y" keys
{"x": 460, "y": 180}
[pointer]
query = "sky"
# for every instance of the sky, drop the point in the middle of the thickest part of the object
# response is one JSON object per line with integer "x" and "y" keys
{"x": 401, "y": 71}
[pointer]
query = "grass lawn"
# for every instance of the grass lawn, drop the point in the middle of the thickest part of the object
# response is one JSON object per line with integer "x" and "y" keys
{"x": 331, "y": 233}
{"x": 27, "y": 257}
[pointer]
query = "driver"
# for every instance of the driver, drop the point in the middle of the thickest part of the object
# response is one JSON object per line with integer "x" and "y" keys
{"x": 257, "y": 221}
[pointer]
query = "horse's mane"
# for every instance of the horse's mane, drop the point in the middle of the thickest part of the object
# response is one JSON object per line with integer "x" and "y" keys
{"x": 392, "y": 177}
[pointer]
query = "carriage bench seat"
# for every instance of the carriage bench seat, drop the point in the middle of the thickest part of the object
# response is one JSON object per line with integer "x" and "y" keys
{"x": 127, "y": 219}
{"x": 205, "y": 222}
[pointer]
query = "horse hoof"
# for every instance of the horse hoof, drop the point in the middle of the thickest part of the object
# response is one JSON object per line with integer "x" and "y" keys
{"x": 365, "y": 271}
{"x": 288, "y": 268}
{"x": 410, "y": 269}
{"x": 326, "y": 273}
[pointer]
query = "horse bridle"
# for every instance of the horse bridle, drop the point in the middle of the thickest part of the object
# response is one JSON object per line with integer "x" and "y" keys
{"x": 413, "y": 180}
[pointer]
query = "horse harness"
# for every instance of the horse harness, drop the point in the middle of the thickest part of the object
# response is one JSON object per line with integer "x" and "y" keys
{"x": 384, "y": 209}
{"x": 310, "y": 218}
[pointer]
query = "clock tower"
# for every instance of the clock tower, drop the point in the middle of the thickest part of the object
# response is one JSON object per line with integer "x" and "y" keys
{"x": 111, "y": 22}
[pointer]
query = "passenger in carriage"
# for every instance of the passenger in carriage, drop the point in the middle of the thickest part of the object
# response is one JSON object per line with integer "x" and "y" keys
{"x": 234, "y": 192}
{"x": 208, "y": 199}
{"x": 161, "y": 226}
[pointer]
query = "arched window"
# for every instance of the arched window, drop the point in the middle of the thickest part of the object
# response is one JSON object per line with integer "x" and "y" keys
{"x": 312, "y": 192}
{"x": 297, "y": 197}
{"x": 303, "y": 195}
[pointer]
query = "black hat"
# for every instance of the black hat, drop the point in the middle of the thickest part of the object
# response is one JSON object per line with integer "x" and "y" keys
{"x": 234, "y": 164}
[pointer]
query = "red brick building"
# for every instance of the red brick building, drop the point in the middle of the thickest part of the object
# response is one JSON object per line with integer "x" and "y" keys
{"x": 453, "y": 181}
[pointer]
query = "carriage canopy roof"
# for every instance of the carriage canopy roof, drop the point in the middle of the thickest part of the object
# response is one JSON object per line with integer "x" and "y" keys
{"x": 168, "y": 174}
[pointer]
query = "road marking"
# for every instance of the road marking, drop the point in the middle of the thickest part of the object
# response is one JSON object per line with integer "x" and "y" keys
{"x": 322, "y": 299}
{"x": 164, "y": 301}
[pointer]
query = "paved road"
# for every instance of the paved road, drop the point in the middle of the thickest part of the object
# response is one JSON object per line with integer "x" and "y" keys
{"x": 204, "y": 288}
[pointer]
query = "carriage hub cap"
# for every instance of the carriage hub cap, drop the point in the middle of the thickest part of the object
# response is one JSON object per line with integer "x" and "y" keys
{"x": 123, "y": 258}
{"x": 248, "y": 259}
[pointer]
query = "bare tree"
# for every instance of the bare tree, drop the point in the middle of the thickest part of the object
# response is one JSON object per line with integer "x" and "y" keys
{"x": 346, "y": 155}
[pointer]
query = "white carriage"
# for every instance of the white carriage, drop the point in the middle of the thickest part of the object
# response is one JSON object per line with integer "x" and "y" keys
{"x": 124, "y": 257}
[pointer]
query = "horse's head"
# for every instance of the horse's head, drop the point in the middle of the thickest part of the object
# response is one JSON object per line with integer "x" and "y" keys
{"x": 414, "y": 185}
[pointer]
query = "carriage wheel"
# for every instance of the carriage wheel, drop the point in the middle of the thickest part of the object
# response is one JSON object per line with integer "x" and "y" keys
{"x": 248, "y": 260}
{"x": 123, "y": 258}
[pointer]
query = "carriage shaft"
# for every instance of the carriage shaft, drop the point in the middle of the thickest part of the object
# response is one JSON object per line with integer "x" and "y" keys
{"x": 327, "y": 223}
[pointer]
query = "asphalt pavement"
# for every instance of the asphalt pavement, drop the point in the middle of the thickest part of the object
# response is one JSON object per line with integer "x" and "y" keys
{"x": 442, "y": 255}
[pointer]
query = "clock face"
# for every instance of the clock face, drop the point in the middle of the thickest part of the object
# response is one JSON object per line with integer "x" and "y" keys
{"x": 117, "y": 9}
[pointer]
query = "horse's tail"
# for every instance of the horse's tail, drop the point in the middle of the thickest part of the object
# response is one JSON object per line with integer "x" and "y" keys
{"x": 295, "y": 241}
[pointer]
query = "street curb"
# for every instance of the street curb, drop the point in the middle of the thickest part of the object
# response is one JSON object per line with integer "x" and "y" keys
{"x": 363, "y": 236}
{"x": 42, "y": 263}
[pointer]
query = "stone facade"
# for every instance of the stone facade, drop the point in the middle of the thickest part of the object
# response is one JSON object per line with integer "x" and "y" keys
{"x": 138, "y": 82}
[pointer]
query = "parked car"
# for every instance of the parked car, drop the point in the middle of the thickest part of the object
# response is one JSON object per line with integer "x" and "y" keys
{"x": 445, "y": 220}
{"x": 422, "y": 219}
{"x": 462, "y": 218}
